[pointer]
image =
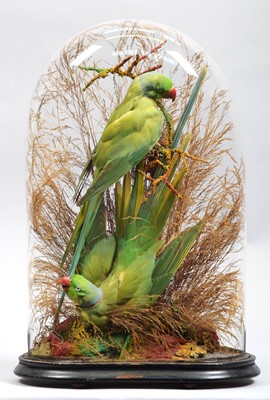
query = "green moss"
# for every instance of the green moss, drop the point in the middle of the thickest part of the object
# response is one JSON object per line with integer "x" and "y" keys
{"x": 44, "y": 349}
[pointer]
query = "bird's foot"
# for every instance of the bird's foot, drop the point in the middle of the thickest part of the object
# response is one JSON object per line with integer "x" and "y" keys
{"x": 170, "y": 186}
{"x": 157, "y": 181}
{"x": 184, "y": 155}
{"x": 156, "y": 163}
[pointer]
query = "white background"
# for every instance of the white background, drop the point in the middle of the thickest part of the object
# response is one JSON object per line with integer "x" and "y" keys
{"x": 236, "y": 34}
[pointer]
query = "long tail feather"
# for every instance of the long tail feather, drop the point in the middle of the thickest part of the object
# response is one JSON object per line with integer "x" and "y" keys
{"x": 82, "y": 179}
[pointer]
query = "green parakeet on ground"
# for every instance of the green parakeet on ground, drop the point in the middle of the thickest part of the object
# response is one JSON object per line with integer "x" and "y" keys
{"x": 131, "y": 266}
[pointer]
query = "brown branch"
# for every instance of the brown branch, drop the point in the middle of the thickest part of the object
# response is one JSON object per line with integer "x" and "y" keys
{"x": 117, "y": 69}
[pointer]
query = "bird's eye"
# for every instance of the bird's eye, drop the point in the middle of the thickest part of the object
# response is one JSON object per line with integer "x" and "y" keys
{"x": 78, "y": 289}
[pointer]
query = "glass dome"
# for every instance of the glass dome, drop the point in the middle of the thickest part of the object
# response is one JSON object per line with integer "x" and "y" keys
{"x": 135, "y": 202}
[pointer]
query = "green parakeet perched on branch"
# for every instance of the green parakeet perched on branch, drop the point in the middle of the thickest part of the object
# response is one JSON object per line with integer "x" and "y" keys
{"x": 131, "y": 132}
{"x": 131, "y": 266}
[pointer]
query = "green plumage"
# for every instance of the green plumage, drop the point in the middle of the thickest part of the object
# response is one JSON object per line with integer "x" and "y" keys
{"x": 131, "y": 132}
{"x": 132, "y": 265}
{"x": 128, "y": 280}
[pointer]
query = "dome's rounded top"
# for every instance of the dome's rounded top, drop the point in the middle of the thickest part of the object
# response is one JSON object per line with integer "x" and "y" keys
{"x": 159, "y": 47}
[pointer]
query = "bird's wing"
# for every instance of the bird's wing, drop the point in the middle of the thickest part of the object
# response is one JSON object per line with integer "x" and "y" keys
{"x": 123, "y": 113}
{"x": 111, "y": 173}
{"x": 96, "y": 265}
{"x": 130, "y": 282}
{"x": 135, "y": 281}
{"x": 139, "y": 112}
{"x": 128, "y": 141}
{"x": 124, "y": 123}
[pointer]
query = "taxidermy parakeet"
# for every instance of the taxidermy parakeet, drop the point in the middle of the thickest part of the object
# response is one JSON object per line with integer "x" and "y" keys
{"x": 131, "y": 267}
{"x": 131, "y": 132}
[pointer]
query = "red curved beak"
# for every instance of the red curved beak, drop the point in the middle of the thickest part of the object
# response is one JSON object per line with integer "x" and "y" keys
{"x": 64, "y": 281}
{"x": 171, "y": 94}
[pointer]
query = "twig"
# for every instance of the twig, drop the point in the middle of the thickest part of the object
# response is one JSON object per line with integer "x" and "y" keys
{"x": 117, "y": 69}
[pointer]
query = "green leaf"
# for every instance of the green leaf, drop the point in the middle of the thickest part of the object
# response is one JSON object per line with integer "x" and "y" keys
{"x": 154, "y": 212}
{"x": 172, "y": 256}
{"x": 118, "y": 194}
{"x": 137, "y": 194}
{"x": 122, "y": 204}
{"x": 125, "y": 202}
{"x": 188, "y": 108}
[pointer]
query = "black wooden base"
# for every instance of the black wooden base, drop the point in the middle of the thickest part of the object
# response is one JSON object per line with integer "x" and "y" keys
{"x": 228, "y": 371}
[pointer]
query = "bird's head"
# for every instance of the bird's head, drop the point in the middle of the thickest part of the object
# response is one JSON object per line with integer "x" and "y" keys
{"x": 65, "y": 281}
{"x": 157, "y": 86}
{"x": 80, "y": 290}
{"x": 77, "y": 286}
